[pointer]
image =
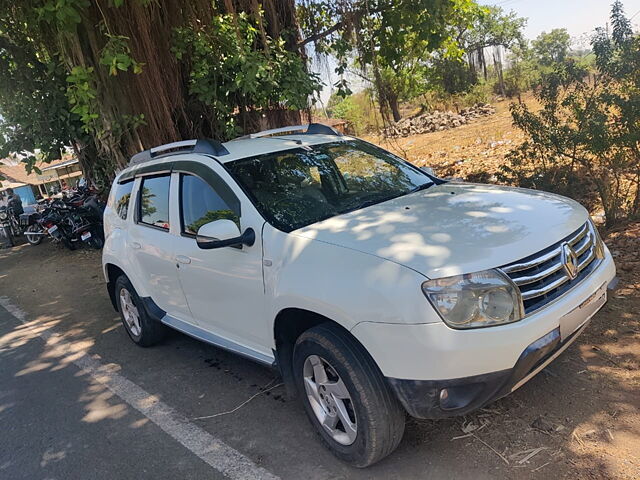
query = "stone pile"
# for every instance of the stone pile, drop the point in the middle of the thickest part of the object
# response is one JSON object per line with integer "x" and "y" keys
{"x": 436, "y": 121}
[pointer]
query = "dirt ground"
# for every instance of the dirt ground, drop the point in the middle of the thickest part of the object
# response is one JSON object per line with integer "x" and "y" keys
{"x": 579, "y": 418}
{"x": 473, "y": 151}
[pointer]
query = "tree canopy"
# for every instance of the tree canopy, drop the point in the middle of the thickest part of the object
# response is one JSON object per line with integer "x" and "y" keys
{"x": 482, "y": 30}
{"x": 552, "y": 47}
{"x": 34, "y": 111}
{"x": 589, "y": 123}
{"x": 112, "y": 77}
{"x": 387, "y": 40}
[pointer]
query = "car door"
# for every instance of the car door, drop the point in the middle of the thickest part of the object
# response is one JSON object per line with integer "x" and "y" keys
{"x": 151, "y": 245}
{"x": 224, "y": 286}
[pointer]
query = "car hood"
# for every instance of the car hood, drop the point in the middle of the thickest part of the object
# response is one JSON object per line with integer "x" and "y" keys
{"x": 454, "y": 228}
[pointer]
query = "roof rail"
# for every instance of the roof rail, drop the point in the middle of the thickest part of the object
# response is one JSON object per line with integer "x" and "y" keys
{"x": 308, "y": 129}
{"x": 206, "y": 146}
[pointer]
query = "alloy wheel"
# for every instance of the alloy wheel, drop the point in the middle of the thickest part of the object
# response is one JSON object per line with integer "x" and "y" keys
{"x": 130, "y": 312}
{"x": 330, "y": 400}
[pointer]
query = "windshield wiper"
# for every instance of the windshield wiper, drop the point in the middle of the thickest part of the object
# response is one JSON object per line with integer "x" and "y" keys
{"x": 424, "y": 186}
{"x": 366, "y": 203}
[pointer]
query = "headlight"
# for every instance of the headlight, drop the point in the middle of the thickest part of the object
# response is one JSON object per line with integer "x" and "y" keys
{"x": 3, "y": 215}
{"x": 475, "y": 300}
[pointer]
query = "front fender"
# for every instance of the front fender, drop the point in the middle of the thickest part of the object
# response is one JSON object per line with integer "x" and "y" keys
{"x": 339, "y": 283}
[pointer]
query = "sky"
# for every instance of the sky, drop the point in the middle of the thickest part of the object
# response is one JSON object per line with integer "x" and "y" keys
{"x": 579, "y": 17}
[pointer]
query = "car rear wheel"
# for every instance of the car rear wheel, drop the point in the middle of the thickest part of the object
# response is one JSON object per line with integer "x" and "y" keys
{"x": 346, "y": 397}
{"x": 140, "y": 327}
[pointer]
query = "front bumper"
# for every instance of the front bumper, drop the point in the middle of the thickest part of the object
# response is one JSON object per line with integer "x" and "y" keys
{"x": 440, "y": 372}
{"x": 447, "y": 398}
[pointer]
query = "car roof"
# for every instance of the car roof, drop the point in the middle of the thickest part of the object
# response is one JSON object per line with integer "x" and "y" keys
{"x": 248, "y": 146}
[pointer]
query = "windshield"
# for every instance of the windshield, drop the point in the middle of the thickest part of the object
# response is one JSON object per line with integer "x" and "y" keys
{"x": 298, "y": 187}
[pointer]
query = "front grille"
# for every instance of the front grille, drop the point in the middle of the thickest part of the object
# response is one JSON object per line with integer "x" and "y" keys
{"x": 542, "y": 277}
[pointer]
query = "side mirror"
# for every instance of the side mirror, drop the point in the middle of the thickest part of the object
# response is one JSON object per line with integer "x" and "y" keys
{"x": 223, "y": 233}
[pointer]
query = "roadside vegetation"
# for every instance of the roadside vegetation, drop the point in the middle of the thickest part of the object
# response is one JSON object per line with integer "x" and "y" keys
{"x": 568, "y": 120}
{"x": 111, "y": 78}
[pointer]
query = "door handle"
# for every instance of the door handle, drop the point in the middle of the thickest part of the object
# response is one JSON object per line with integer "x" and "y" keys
{"x": 183, "y": 259}
{"x": 136, "y": 245}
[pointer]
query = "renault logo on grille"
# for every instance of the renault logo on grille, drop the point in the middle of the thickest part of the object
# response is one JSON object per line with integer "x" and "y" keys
{"x": 569, "y": 261}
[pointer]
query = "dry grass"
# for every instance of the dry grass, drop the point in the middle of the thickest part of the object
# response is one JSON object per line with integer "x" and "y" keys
{"x": 473, "y": 151}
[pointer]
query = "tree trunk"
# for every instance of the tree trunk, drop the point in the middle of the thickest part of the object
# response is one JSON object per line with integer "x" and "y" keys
{"x": 395, "y": 108}
{"x": 160, "y": 93}
{"x": 383, "y": 101}
{"x": 483, "y": 62}
{"x": 497, "y": 63}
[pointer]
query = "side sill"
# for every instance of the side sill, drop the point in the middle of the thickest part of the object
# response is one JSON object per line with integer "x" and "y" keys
{"x": 215, "y": 340}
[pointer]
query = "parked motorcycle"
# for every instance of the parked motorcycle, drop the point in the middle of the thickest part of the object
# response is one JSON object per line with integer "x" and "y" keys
{"x": 37, "y": 226}
{"x": 82, "y": 225}
{"x": 73, "y": 220}
{"x": 9, "y": 225}
{"x": 67, "y": 224}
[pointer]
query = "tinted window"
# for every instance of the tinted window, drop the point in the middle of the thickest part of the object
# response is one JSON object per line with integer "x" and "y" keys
{"x": 201, "y": 204}
{"x": 154, "y": 201}
{"x": 299, "y": 187}
{"x": 121, "y": 197}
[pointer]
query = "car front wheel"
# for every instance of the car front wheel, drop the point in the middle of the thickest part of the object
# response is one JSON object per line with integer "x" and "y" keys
{"x": 346, "y": 397}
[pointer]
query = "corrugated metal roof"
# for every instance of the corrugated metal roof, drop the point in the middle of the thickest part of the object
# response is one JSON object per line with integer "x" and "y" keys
{"x": 18, "y": 173}
{"x": 60, "y": 165}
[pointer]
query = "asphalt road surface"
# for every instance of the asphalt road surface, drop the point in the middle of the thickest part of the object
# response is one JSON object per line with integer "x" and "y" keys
{"x": 62, "y": 423}
{"x": 78, "y": 400}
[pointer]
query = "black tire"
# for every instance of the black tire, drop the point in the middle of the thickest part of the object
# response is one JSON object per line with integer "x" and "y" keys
{"x": 34, "y": 239}
{"x": 380, "y": 417}
{"x": 67, "y": 243}
{"x": 96, "y": 242}
{"x": 152, "y": 331}
{"x": 5, "y": 232}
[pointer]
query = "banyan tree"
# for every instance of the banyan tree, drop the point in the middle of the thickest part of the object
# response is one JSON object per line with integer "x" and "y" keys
{"x": 138, "y": 73}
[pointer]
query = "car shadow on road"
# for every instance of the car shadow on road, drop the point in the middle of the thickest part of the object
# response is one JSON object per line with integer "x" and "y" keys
{"x": 578, "y": 418}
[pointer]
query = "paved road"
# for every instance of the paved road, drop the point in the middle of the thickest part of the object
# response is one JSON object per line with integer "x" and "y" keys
{"x": 191, "y": 378}
{"x": 84, "y": 402}
{"x": 59, "y": 423}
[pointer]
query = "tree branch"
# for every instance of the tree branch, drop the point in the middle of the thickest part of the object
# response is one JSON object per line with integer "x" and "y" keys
{"x": 346, "y": 17}
{"x": 320, "y": 35}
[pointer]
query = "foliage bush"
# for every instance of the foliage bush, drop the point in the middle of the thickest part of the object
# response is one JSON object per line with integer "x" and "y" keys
{"x": 438, "y": 99}
{"x": 347, "y": 109}
{"x": 358, "y": 109}
{"x": 587, "y": 135}
{"x": 228, "y": 72}
{"x": 480, "y": 93}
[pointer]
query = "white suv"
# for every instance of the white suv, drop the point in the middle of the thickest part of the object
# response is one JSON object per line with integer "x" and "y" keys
{"x": 373, "y": 287}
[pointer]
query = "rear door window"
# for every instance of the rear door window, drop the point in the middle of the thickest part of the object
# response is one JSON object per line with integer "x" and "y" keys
{"x": 153, "y": 202}
{"x": 121, "y": 198}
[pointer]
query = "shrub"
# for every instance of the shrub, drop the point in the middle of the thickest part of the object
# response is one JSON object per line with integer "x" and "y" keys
{"x": 587, "y": 134}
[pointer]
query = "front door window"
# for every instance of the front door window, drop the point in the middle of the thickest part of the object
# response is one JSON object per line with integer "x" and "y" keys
{"x": 201, "y": 204}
